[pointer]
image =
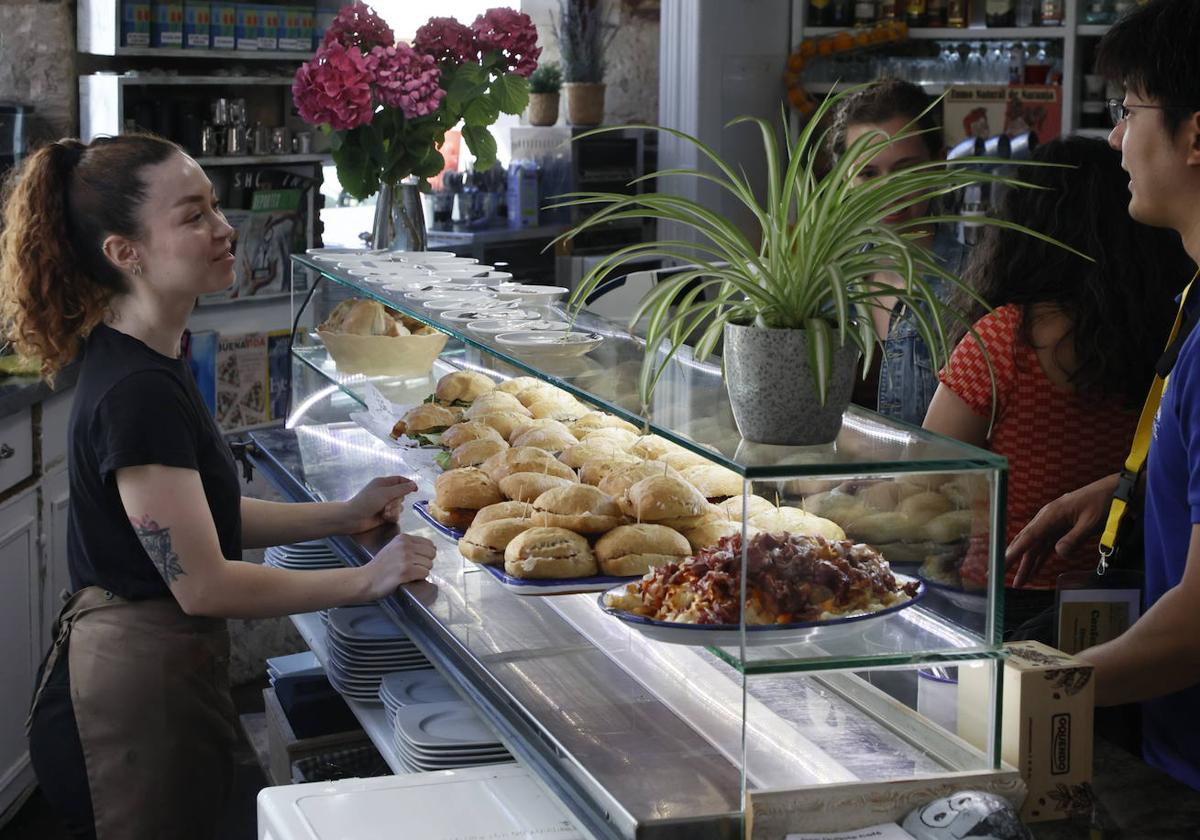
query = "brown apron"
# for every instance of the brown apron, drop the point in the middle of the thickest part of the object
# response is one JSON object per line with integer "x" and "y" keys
{"x": 150, "y": 687}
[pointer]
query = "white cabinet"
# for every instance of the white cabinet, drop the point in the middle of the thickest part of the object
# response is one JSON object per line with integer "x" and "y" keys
{"x": 54, "y": 577}
{"x": 19, "y": 614}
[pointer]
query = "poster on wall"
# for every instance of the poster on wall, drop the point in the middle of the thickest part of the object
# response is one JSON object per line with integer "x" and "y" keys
{"x": 241, "y": 381}
{"x": 279, "y": 372}
{"x": 989, "y": 110}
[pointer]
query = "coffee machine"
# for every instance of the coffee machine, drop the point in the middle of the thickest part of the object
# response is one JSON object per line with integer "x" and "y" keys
{"x": 973, "y": 202}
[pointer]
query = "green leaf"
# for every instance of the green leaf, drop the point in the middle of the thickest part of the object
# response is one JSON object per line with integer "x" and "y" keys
{"x": 511, "y": 93}
{"x": 482, "y": 144}
{"x": 481, "y": 111}
{"x": 820, "y": 355}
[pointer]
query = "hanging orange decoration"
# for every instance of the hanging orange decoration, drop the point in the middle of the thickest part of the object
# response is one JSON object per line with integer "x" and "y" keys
{"x": 822, "y": 46}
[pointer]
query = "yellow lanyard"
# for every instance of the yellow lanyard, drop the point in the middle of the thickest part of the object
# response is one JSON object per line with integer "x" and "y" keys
{"x": 1137, "y": 452}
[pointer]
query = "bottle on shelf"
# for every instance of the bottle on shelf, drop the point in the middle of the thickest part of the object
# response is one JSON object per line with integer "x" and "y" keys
{"x": 888, "y": 10}
{"x": 1000, "y": 12}
{"x": 1016, "y": 65}
{"x": 936, "y": 13}
{"x": 958, "y": 13}
{"x": 914, "y": 12}
{"x": 1098, "y": 13}
{"x": 1029, "y": 13}
{"x": 843, "y": 12}
{"x": 864, "y": 12}
{"x": 819, "y": 13}
{"x": 1052, "y": 12}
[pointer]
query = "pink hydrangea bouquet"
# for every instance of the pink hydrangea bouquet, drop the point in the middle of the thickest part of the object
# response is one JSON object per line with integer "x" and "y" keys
{"x": 389, "y": 104}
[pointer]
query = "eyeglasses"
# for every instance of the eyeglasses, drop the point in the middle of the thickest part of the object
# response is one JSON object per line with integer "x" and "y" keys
{"x": 1118, "y": 110}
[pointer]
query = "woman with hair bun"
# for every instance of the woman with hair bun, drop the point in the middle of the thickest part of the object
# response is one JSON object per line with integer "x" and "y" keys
{"x": 105, "y": 248}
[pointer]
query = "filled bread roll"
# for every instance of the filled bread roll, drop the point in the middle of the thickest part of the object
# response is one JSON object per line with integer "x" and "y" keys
{"x": 518, "y": 384}
{"x": 792, "y": 520}
{"x": 885, "y": 527}
{"x": 475, "y": 452}
{"x": 358, "y": 317}
{"x": 503, "y": 510}
{"x": 526, "y": 459}
{"x": 485, "y": 542}
{"x": 709, "y": 532}
{"x": 424, "y": 419}
{"x": 565, "y": 408}
{"x": 732, "y": 507}
{"x": 683, "y": 459}
{"x": 460, "y": 493}
{"x": 504, "y": 422}
{"x": 540, "y": 390}
{"x": 594, "y": 471}
{"x": 665, "y": 500}
{"x": 950, "y": 527}
{"x": 462, "y": 387}
{"x": 494, "y": 401}
{"x": 922, "y": 506}
{"x": 469, "y": 430}
{"x": 653, "y": 447}
{"x": 621, "y": 479}
{"x": 840, "y": 507}
{"x": 594, "y": 420}
{"x": 549, "y": 553}
{"x": 550, "y": 435}
{"x": 583, "y": 451}
{"x": 713, "y": 481}
{"x": 882, "y": 496}
{"x": 527, "y": 486}
{"x": 623, "y": 439}
{"x": 577, "y": 507}
{"x": 636, "y": 549}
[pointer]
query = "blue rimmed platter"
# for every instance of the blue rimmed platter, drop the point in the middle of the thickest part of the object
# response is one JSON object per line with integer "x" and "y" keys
{"x": 422, "y": 508}
{"x": 555, "y": 586}
{"x": 757, "y": 635}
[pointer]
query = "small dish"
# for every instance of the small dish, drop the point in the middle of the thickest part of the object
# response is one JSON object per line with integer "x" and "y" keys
{"x": 456, "y": 302}
{"x": 550, "y": 343}
{"x": 510, "y": 317}
{"x": 495, "y": 326}
{"x": 533, "y": 295}
{"x": 491, "y": 278}
{"x": 420, "y": 256}
{"x": 428, "y": 284}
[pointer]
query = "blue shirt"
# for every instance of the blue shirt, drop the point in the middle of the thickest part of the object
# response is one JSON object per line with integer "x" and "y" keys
{"x": 1171, "y": 738}
{"x": 907, "y": 377}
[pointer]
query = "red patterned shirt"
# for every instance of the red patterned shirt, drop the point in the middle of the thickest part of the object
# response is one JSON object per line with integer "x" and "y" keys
{"x": 1056, "y": 440}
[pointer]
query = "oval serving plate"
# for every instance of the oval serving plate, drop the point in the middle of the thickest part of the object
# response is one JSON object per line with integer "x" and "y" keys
{"x": 555, "y": 586}
{"x": 550, "y": 342}
{"x": 757, "y": 635}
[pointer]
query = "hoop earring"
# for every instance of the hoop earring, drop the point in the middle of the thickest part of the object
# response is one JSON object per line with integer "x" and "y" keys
{"x": 136, "y": 269}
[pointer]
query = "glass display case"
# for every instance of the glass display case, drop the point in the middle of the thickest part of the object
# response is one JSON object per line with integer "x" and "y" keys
{"x": 649, "y": 728}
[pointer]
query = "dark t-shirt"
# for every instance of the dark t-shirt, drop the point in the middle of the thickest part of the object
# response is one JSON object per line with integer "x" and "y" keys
{"x": 135, "y": 406}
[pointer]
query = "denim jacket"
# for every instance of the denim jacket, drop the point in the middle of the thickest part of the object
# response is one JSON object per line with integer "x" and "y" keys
{"x": 907, "y": 378}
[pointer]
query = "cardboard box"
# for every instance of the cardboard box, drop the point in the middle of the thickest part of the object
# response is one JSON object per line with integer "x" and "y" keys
{"x": 224, "y": 26}
{"x": 246, "y": 32}
{"x": 1046, "y": 728}
{"x": 135, "y": 24}
{"x": 197, "y": 25}
{"x": 166, "y": 29}
{"x": 296, "y": 28}
{"x": 269, "y": 18}
{"x": 284, "y": 747}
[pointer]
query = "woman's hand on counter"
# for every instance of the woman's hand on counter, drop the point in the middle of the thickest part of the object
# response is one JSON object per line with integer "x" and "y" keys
{"x": 379, "y": 503}
{"x": 403, "y": 560}
{"x": 1060, "y": 526}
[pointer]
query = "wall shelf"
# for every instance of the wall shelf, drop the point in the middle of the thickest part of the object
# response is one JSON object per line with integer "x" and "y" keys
{"x": 257, "y": 160}
{"x": 973, "y": 33}
{"x": 240, "y": 55}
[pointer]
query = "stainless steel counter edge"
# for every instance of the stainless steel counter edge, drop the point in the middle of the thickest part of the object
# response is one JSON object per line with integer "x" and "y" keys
{"x": 594, "y": 808}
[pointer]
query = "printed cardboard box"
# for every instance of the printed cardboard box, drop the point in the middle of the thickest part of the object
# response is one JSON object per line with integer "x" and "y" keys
{"x": 296, "y": 28}
{"x": 247, "y": 26}
{"x": 167, "y": 28}
{"x": 1046, "y": 728}
{"x": 269, "y": 18}
{"x": 224, "y": 26}
{"x": 135, "y": 24}
{"x": 197, "y": 25}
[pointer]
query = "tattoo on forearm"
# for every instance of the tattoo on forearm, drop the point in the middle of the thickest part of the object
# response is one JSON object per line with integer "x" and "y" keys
{"x": 157, "y": 542}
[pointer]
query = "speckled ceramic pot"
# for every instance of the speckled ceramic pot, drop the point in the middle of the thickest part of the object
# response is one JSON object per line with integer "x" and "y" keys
{"x": 771, "y": 387}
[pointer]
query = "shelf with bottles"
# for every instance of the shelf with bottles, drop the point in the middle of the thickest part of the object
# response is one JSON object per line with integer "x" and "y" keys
{"x": 965, "y": 33}
{"x": 939, "y": 16}
{"x": 935, "y": 65}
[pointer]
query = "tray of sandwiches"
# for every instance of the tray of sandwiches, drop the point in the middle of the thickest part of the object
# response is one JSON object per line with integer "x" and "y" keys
{"x": 550, "y": 496}
{"x": 799, "y": 588}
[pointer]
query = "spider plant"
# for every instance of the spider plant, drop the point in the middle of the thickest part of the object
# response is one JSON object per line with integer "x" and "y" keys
{"x": 811, "y": 259}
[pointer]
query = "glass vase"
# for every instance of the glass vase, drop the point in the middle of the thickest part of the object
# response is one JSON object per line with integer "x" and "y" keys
{"x": 399, "y": 219}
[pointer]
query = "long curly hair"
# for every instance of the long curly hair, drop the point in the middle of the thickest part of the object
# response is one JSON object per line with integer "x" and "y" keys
{"x": 1121, "y": 305}
{"x": 59, "y": 206}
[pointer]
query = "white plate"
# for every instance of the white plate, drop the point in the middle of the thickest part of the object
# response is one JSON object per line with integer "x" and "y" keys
{"x": 418, "y": 256}
{"x": 758, "y": 635}
{"x": 562, "y": 344}
{"x": 459, "y": 302}
{"x": 416, "y": 687}
{"x": 441, "y": 725}
{"x": 476, "y": 272}
{"x": 369, "y": 623}
{"x": 448, "y": 762}
{"x": 536, "y": 295}
{"x": 510, "y": 317}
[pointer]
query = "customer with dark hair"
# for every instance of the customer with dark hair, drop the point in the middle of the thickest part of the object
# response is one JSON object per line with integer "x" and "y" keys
{"x": 1072, "y": 343}
{"x": 1155, "y": 52}
{"x": 907, "y": 377}
{"x": 105, "y": 249}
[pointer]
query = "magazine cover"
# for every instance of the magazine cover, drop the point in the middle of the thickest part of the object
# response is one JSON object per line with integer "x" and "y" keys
{"x": 273, "y": 232}
{"x": 241, "y": 375}
{"x": 988, "y": 110}
{"x": 200, "y": 350}
{"x": 279, "y": 372}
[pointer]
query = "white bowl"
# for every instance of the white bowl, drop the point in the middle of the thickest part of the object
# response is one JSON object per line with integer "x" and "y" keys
{"x": 496, "y": 326}
{"x": 550, "y": 343}
{"x": 532, "y": 295}
{"x": 457, "y": 302}
{"x": 480, "y": 273}
{"x": 420, "y": 256}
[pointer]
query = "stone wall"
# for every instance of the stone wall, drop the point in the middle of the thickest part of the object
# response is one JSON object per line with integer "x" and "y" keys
{"x": 632, "y": 72}
{"x": 37, "y": 63}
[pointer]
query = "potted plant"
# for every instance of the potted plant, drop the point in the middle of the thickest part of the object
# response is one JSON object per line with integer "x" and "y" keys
{"x": 544, "y": 85}
{"x": 793, "y": 300}
{"x": 388, "y": 105}
{"x": 583, "y": 37}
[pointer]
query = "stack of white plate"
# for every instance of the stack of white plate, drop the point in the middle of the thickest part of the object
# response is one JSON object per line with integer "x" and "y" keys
{"x": 304, "y": 663}
{"x": 315, "y": 554}
{"x": 412, "y": 688}
{"x": 364, "y": 645}
{"x": 445, "y": 736}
